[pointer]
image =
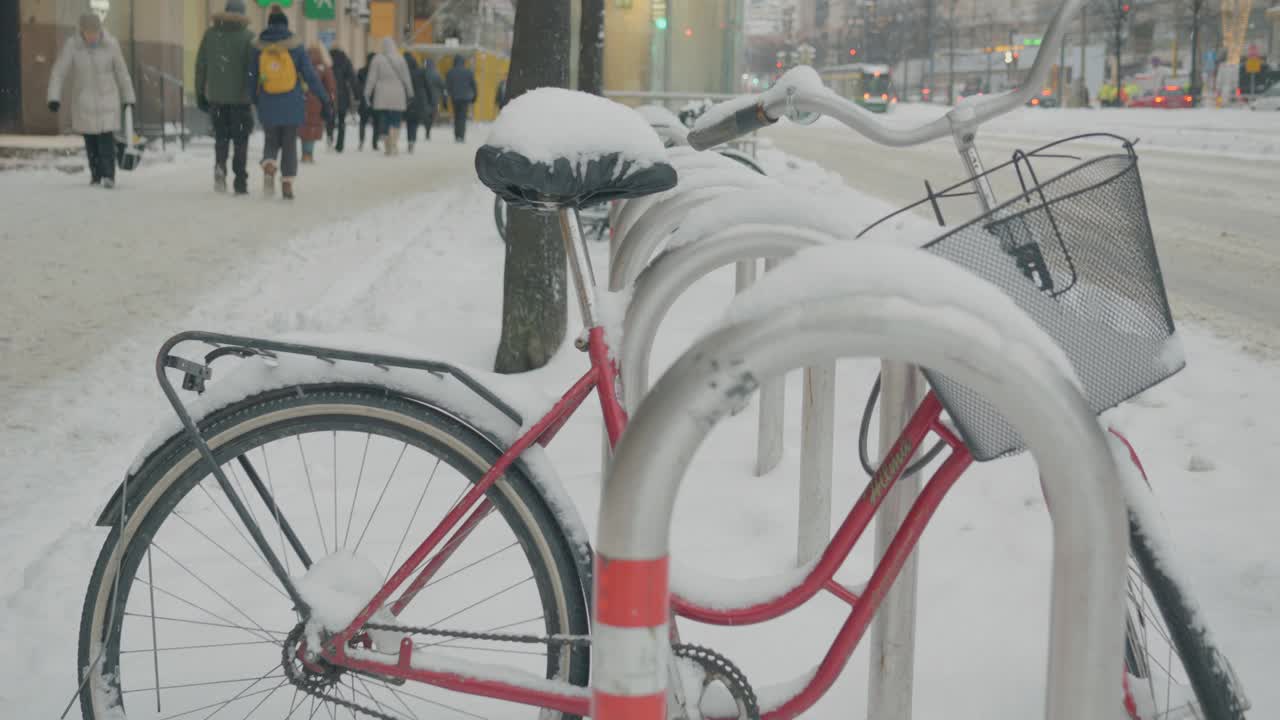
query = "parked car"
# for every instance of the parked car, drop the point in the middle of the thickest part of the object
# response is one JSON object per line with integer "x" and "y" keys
{"x": 1170, "y": 96}
{"x": 1269, "y": 100}
{"x": 1046, "y": 99}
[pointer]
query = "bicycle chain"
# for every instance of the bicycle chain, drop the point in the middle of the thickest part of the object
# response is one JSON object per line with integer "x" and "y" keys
{"x": 717, "y": 666}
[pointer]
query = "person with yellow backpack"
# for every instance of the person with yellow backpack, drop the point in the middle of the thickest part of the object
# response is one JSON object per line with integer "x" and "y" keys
{"x": 277, "y": 72}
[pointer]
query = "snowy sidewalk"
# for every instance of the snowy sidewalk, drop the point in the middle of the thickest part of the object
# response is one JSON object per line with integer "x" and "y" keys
{"x": 85, "y": 266}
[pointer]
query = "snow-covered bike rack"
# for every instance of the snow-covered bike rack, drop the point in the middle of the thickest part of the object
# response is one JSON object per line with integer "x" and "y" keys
{"x": 769, "y": 225}
{"x": 884, "y": 313}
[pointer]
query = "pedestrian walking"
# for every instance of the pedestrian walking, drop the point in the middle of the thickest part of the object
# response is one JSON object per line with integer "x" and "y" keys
{"x": 388, "y": 91}
{"x": 102, "y": 84}
{"x": 348, "y": 92}
{"x": 461, "y": 84}
{"x": 315, "y": 119}
{"x": 421, "y": 110}
{"x": 435, "y": 83}
{"x": 501, "y": 98}
{"x": 367, "y": 116}
{"x": 222, "y": 90}
{"x": 276, "y": 73}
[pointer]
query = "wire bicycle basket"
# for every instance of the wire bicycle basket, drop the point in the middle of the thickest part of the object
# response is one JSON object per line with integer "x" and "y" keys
{"x": 1076, "y": 253}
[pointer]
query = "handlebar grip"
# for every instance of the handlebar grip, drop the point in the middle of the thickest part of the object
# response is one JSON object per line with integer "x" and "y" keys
{"x": 742, "y": 122}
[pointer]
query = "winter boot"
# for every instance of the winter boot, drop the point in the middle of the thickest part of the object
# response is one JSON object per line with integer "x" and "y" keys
{"x": 308, "y": 158}
{"x": 389, "y": 142}
{"x": 268, "y": 177}
{"x": 286, "y": 188}
{"x": 219, "y": 179}
{"x": 108, "y": 183}
{"x": 410, "y": 146}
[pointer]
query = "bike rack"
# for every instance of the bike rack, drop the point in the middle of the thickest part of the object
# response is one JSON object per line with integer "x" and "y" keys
{"x": 657, "y": 289}
{"x": 1078, "y": 475}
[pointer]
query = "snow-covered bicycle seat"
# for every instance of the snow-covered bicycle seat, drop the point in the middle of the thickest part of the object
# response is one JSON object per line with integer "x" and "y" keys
{"x": 559, "y": 148}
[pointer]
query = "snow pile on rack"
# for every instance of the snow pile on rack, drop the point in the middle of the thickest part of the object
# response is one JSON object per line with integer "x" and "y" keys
{"x": 877, "y": 268}
{"x": 779, "y": 206}
{"x": 550, "y": 123}
{"x": 664, "y": 122}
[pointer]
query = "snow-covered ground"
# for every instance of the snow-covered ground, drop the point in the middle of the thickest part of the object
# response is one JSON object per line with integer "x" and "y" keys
{"x": 406, "y": 248}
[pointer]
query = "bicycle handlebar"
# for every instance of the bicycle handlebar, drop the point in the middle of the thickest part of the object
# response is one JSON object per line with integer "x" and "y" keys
{"x": 801, "y": 90}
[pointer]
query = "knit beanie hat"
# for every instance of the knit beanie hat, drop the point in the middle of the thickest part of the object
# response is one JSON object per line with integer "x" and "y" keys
{"x": 278, "y": 19}
{"x": 90, "y": 22}
{"x": 235, "y": 7}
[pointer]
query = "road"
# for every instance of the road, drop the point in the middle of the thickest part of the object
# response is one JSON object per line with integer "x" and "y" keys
{"x": 1213, "y": 217}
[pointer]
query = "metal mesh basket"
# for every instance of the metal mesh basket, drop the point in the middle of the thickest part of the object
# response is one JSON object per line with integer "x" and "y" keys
{"x": 1076, "y": 253}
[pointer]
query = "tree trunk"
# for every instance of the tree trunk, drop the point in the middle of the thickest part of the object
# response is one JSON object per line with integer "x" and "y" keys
{"x": 591, "y": 47}
{"x": 534, "y": 283}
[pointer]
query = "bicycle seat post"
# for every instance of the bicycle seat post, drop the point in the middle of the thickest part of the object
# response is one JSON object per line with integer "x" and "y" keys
{"x": 584, "y": 279}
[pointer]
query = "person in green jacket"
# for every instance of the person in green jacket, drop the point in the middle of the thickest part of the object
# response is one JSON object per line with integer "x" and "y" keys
{"x": 222, "y": 90}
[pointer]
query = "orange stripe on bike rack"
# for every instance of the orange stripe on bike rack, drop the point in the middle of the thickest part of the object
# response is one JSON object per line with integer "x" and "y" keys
{"x": 631, "y": 593}
{"x": 628, "y": 707}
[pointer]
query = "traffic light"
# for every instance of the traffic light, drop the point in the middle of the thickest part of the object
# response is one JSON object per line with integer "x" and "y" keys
{"x": 853, "y": 52}
{"x": 1124, "y": 8}
{"x": 660, "y": 23}
{"x": 688, "y": 32}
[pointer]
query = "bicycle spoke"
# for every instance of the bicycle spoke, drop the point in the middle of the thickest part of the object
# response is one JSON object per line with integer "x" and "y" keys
{"x": 483, "y": 600}
{"x": 267, "y": 494}
{"x": 470, "y": 565}
{"x": 369, "y": 694}
{"x": 368, "y": 437}
{"x": 335, "y": 491}
{"x": 234, "y": 525}
{"x": 381, "y": 495}
{"x": 240, "y": 487}
{"x": 220, "y": 703}
{"x": 200, "y": 608}
{"x": 205, "y": 683}
{"x": 263, "y": 700}
{"x": 210, "y": 588}
{"x": 204, "y": 646}
{"x": 276, "y": 507}
{"x": 189, "y": 621}
{"x": 400, "y": 692}
{"x": 232, "y": 555}
{"x": 306, "y": 471}
{"x": 412, "y": 517}
{"x": 155, "y": 655}
{"x": 241, "y": 693}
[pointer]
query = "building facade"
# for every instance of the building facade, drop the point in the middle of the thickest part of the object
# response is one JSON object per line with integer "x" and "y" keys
{"x": 159, "y": 39}
{"x": 692, "y": 46}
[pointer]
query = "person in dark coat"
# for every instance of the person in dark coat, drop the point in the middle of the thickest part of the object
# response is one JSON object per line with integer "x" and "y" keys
{"x": 348, "y": 90}
{"x": 367, "y": 115}
{"x": 277, "y": 71}
{"x": 222, "y": 71}
{"x": 461, "y": 84}
{"x": 435, "y": 83}
{"x": 422, "y": 107}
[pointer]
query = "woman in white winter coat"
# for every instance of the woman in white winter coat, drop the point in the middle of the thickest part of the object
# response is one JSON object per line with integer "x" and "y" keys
{"x": 102, "y": 84}
{"x": 388, "y": 90}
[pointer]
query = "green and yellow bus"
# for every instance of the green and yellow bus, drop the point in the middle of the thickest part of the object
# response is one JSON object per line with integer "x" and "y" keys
{"x": 871, "y": 86}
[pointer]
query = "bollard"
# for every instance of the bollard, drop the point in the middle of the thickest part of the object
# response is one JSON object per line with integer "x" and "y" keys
{"x": 773, "y": 404}
{"x": 893, "y": 634}
{"x": 817, "y": 441}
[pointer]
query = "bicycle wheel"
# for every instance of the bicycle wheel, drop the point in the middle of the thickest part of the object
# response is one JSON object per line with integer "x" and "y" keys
{"x": 197, "y": 622}
{"x": 1174, "y": 672}
{"x": 500, "y": 217}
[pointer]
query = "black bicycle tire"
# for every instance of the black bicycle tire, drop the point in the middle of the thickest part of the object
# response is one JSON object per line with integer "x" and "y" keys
{"x": 178, "y": 447}
{"x": 1206, "y": 668}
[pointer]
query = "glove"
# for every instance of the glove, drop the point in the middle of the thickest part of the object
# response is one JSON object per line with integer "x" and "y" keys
{"x": 202, "y": 103}
{"x": 54, "y": 105}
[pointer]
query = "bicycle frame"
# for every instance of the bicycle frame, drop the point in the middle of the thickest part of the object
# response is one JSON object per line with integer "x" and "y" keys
{"x": 600, "y": 378}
